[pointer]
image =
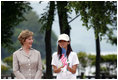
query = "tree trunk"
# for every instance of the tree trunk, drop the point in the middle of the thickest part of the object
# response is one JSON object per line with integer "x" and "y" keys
{"x": 97, "y": 57}
{"x": 48, "y": 74}
{"x": 63, "y": 17}
{"x": 48, "y": 54}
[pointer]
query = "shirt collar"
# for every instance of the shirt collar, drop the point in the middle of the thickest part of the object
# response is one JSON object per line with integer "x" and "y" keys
{"x": 30, "y": 53}
{"x": 22, "y": 49}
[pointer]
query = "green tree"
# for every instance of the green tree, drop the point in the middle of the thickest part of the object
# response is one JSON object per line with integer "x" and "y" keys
{"x": 11, "y": 14}
{"x": 47, "y": 20}
{"x": 8, "y": 60}
{"x": 4, "y": 69}
{"x": 63, "y": 17}
{"x": 82, "y": 56}
{"x": 108, "y": 64}
{"x": 98, "y": 15}
{"x": 110, "y": 61}
{"x": 92, "y": 59}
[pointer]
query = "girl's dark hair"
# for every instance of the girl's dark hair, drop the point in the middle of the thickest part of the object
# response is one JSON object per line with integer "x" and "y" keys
{"x": 69, "y": 49}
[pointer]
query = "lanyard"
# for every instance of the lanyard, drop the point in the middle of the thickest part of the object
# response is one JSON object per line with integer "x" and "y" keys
{"x": 63, "y": 51}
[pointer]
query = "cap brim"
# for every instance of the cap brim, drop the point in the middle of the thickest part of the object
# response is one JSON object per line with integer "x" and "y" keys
{"x": 62, "y": 39}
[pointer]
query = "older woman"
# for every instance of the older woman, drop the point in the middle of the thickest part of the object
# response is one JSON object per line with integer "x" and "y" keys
{"x": 27, "y": 62}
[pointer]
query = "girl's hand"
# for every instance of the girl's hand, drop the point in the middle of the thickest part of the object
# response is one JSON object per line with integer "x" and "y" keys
{"x": 57, "y": 70}
{"x": 68, "y": 68}
{"x": 62, "y": 66}
{"x": 73, "y": 69}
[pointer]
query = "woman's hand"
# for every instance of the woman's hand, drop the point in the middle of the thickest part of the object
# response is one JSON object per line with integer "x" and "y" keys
{"x": 73, "y": 69}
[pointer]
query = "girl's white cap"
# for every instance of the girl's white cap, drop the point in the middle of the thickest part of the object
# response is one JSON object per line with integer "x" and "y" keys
{"x": 64, "y": 37}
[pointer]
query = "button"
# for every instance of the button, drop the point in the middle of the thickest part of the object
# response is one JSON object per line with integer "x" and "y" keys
{"x": 29, "y": 64}
{"x": 28, "y": 59}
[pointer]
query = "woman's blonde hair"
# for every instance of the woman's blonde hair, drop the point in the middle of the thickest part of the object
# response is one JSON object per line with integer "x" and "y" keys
{"x": 24, "y": 35}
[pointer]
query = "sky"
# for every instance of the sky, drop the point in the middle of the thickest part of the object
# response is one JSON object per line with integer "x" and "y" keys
{"x": 81, "y": 39}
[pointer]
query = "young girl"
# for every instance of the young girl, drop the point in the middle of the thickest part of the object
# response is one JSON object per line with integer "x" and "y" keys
{"x": 65, "y": 61}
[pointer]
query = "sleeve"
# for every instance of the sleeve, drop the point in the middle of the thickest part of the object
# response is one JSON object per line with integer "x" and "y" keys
{"x": 39, "y": 72}
{"x": 16, "y": 71}
{"x": 75, "y": 59}
{"x": 53, "y": 59}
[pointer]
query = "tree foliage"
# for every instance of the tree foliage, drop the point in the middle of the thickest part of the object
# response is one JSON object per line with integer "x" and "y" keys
{"x": 4, "y": 69}
{"x": 82, "y": 56}
{"x": 8, "y": 60}
{"x": 11, "y": 14}
{"x": 99, "y": 15}
{"x": 108, "y": 62}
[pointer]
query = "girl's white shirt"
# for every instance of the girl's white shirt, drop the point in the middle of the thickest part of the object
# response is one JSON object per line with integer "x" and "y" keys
{"x": 72, "y": 60}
